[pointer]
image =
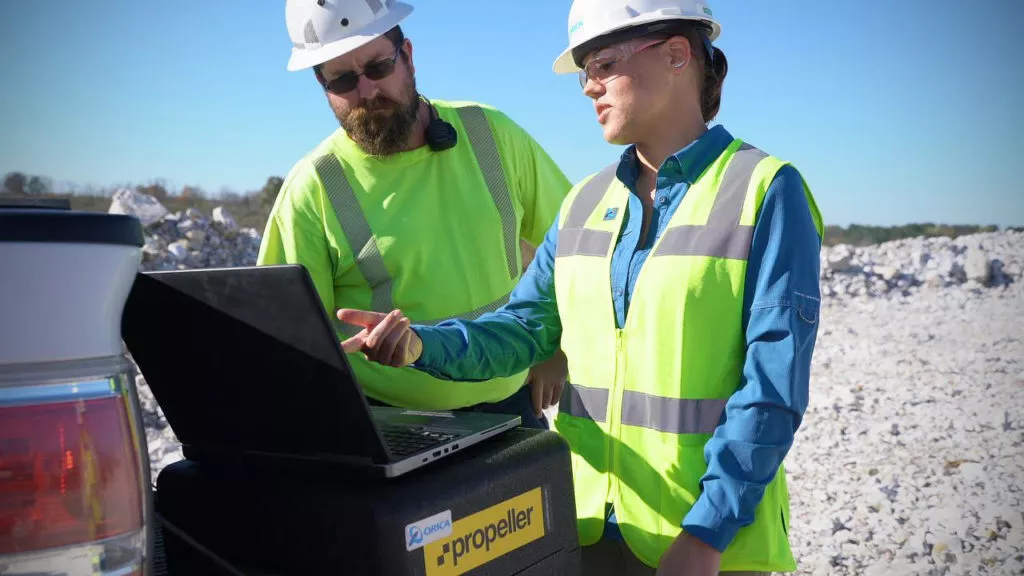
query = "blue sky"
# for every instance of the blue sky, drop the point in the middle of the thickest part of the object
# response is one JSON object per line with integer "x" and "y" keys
{"x": 895, "y": 112}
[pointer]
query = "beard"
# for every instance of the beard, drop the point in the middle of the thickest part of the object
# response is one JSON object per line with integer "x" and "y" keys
{"x": 381, "y": 126}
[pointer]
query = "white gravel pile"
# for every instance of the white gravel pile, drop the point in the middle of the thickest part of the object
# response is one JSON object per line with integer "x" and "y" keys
{"x": 910, "y": 459}
{"x": 164, "y": 447}
{"x": 187, "y": 239}
{"x": 904, "y": 267}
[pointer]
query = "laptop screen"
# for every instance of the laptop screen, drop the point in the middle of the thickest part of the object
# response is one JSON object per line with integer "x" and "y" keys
{"x": 245, "y": 359}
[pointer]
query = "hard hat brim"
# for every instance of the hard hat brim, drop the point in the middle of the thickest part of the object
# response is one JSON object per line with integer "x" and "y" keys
{"x": 301, "y": 59}
{"x": 565, "y": 64}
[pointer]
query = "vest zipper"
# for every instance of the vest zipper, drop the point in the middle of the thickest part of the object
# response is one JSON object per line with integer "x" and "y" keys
{"x": 615, "y": 410}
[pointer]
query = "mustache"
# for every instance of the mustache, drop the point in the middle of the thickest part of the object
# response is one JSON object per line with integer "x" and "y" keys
{"x": 378, "y": 102}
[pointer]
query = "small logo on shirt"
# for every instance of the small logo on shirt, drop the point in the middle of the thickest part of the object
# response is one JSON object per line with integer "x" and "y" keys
{"x": 610, "y": 213}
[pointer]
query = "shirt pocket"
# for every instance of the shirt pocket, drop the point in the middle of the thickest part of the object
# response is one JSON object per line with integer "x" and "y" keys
{"x": 807, "y": 307}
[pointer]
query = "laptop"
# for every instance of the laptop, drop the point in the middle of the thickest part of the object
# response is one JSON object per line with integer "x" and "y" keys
{"x": 244, "y": 362}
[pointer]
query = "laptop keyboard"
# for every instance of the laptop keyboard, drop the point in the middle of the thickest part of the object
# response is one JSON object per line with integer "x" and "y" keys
{"x": 405, "y": 441}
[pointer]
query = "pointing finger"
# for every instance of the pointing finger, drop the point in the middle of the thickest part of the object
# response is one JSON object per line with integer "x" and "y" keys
{"x": 355, "y": 343}
{"x": 362, "y": 318}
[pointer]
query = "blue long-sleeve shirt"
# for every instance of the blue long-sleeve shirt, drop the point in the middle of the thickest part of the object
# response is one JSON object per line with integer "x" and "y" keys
{"x": 780, "y": 311}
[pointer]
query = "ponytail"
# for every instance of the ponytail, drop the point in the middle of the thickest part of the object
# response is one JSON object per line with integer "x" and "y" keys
{"x": 711, "y": 85}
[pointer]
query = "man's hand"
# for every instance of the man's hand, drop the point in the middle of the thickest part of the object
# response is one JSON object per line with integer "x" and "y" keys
{"x": 385, "y": 338}
{"x": 546, "y": 381}
{"x": 688, "y": 556}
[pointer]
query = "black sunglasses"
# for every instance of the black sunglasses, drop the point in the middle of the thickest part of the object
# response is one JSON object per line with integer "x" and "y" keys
{"x": 348, "y": 81}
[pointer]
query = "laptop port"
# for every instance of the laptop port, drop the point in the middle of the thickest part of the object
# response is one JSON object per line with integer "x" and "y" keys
{"x": 437, "y": 453}
{"x": 455, "y": 447}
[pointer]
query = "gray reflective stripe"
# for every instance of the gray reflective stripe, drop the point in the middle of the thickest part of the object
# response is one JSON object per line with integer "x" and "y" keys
{"x": 706, "y": 241}
{"x": 671, "y": 415}
{"x": 722, "y": 236}
{"x": 486, "y": 151}
{"x": 360, "y": 237}
{"x": 589, "y": 197}
{"x": 583, "y": 402}
{"x": 573, "y": 238}
{"x": 349, "y": 330}
{"x": 473, "y": 314}
{"x": 357, "y": 231}
{"x": 582, "y": 242}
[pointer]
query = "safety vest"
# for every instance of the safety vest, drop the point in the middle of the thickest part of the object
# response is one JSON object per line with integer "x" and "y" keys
{"x": 642, "y": 400}
{"x": 490, "y": 281}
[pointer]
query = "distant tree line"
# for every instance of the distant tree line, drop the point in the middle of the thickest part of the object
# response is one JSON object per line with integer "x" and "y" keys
{"x": 23, "y": 185}
{"x": 19, "y": 184}
{"x": 859, "y": 235}
{"x": 251, "y": 208}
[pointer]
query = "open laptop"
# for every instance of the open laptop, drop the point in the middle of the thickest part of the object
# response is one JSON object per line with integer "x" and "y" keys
{"x": 244, "y": 362}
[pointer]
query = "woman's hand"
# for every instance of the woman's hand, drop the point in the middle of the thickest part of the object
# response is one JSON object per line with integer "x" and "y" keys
{"x": 688, "y": 556}
{"x": 385, "y": 338}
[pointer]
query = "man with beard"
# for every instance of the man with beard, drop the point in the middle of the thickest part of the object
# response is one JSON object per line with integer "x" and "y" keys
{"x": 429, "y": 206}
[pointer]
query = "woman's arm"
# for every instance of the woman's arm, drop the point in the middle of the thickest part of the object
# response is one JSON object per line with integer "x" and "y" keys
{"x": 781, "y": 323}
{"x": 520, "y": 334}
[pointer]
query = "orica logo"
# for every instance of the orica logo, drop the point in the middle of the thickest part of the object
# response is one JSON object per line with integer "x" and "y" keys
{"x": 437, "y": 527}
{"x": 427, "y": 530}
{"x": 415, "y": 536}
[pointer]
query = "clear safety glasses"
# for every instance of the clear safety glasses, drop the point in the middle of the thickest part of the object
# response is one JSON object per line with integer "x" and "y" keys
{"x": 604, "y": 65}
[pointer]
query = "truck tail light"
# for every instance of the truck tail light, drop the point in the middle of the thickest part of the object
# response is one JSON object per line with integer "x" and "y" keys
{"x": 71, "y": 487}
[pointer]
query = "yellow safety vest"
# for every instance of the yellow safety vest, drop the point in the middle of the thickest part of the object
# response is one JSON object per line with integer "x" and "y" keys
{"x": 436, "y": 234}
{"x": 365, "y": 248}
{"x": 643, "y": 400}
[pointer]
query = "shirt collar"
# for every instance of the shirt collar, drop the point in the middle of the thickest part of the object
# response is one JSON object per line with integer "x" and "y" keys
{"x": 687, "y": 164}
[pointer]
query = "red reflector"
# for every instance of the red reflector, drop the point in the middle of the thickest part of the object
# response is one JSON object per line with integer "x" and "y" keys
{"x": 68, "y": 474}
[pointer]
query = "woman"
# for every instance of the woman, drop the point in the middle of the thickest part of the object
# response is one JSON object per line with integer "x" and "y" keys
{"x": 682, "y": 285}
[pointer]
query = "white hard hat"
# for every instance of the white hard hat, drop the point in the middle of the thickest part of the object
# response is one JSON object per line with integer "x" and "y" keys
{"x": 324, "y": 29}
{"x": 591, "y": 20}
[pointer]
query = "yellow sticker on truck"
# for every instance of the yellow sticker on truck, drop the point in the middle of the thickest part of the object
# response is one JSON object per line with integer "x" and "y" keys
{"x": 485, "y": 535}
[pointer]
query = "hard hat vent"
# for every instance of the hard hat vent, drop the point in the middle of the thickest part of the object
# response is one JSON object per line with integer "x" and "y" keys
{"x": 309, "y": 33}
{"x": 375, "y": 5}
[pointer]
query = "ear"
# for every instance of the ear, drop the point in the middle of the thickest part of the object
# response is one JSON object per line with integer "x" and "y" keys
{"x": 680, "y": 52}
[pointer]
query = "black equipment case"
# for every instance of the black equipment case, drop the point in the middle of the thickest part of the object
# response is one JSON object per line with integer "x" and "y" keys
{"x": 503, "y": 507}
